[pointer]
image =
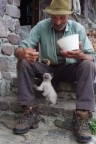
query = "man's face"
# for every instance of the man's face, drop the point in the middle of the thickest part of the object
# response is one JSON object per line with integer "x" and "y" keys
{"x": 59, "y": 21}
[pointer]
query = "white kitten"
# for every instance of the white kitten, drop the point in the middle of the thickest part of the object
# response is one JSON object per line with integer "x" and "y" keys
{"x": 47, "y": 88}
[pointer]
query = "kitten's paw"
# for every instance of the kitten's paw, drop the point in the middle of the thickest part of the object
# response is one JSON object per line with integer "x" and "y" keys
{"x": 35, "y": 87}
{"x": 44, "y": 94}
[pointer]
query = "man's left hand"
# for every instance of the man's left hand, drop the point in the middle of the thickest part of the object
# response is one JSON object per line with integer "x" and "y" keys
{"x": 78, "y": 54}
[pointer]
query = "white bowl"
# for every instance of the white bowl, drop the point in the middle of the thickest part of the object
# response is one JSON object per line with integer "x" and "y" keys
{"x": 69, "y": 43}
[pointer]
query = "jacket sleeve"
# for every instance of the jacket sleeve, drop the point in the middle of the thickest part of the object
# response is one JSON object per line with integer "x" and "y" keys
{"x": 86, "y": 44}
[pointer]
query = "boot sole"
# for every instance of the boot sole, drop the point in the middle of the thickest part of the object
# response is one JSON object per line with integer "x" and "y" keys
{"x": 81, "y": 140}
{"x": 16, "y": 131}
{"x": 84, "y": 141}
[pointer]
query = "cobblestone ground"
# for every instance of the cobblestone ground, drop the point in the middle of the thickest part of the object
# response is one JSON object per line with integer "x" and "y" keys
{"x": 46, "y": 133}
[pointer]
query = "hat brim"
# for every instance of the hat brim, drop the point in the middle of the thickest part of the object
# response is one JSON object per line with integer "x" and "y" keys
{"x": 57, "y": 12}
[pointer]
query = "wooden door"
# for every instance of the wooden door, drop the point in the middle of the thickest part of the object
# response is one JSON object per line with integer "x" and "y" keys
{"x": 35, "y": 12}
{"x": 29, "y": 12}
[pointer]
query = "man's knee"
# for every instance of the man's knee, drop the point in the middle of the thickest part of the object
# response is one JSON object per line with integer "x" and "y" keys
{"x": 22, "y": 64}
{"x": 87, "y": 64}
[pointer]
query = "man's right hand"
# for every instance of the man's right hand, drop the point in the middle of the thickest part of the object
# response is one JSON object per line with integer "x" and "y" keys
{"x": 28, "y": 53}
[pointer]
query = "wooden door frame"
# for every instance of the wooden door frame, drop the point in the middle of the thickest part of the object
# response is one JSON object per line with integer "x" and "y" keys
{"x": 35, "y": 12}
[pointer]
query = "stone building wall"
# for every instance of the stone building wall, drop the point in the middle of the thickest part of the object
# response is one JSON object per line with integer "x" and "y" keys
{"x": 9, "y": 39}
{"x": 92, "y": 10}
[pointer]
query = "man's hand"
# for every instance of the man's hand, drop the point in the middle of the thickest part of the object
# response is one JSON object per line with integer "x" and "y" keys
{"x": 30, "y": 54}
{"x": 73, "y": 54}
{"x": 77, "y": 54}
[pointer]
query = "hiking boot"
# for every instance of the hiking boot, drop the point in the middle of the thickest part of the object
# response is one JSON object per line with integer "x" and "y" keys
{"x": 28, "y": 120}
{"x": 81, "y": 126}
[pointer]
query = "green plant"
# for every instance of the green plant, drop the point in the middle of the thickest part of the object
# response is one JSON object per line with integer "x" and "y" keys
{"x": 92, "y": 126}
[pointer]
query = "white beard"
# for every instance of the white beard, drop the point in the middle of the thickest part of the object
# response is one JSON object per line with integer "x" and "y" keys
{"x": 47, "y": 88}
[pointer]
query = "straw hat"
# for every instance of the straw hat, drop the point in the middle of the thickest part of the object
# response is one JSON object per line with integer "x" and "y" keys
{"x": 59, "y": 7}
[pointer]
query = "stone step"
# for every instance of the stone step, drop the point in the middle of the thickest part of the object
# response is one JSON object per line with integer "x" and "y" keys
{"x": 62, "y": 86}
{"x": 63, "y": 106}
{"x": 8, "y": 84}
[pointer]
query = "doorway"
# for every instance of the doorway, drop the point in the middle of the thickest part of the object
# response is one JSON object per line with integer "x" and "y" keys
{"x": 29, "y": 12}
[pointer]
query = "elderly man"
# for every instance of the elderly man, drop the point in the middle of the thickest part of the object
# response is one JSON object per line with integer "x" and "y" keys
{"x": 69, "y": 66}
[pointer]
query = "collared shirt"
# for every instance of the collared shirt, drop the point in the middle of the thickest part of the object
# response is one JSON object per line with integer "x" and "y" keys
{"x": 44, "y": 34}
{"x": 61, "y": 58}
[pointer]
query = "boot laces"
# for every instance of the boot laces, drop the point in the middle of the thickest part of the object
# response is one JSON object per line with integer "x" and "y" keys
{"x": 24, "y": 117}
{"x": 82, "y": 125}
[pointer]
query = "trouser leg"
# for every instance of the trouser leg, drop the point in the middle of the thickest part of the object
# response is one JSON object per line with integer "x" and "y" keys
{"x": 83, "y": 73}
{"x": 26, "y": 73}
{"x": 85, "y": 89}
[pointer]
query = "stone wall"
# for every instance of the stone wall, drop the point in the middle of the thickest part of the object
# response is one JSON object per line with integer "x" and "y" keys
{"x": 91, "y": 9}
{"x": 9, "y": 39}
